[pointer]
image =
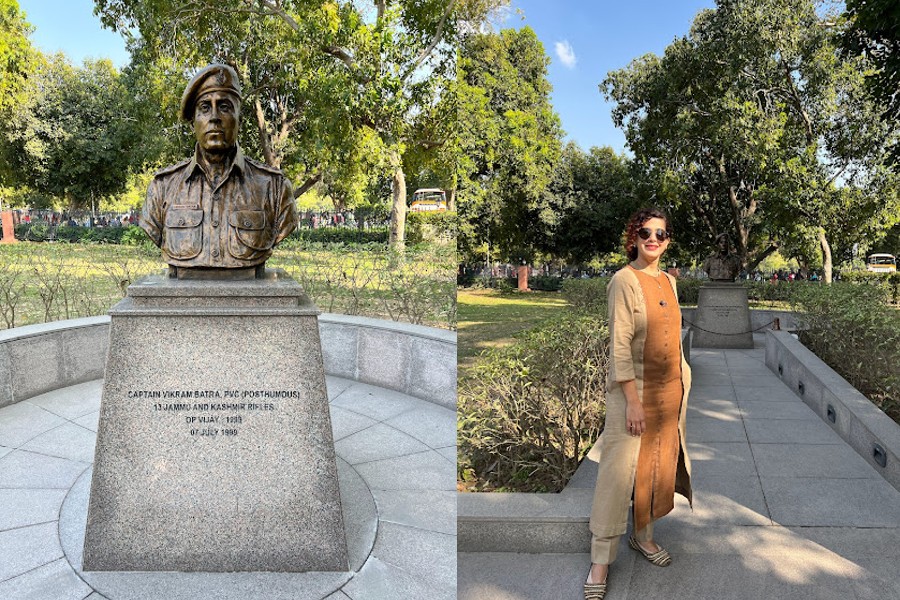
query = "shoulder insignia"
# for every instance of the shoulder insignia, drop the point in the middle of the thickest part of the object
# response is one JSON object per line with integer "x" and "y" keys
{"x": 172, "y": 168}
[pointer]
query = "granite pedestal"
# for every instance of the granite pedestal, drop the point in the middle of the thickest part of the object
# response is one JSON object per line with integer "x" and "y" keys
{"x": 214, "y": 449}
{"x": 722, "y": 319}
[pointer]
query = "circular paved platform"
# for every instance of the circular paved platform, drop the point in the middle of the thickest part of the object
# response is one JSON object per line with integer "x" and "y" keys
{"x": 396, "y": 467}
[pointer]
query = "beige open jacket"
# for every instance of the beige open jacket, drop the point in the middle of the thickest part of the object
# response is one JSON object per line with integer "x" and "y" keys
{"x": 617, "y": 450}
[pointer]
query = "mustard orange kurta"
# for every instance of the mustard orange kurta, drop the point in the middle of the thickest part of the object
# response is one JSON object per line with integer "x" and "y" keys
{"x": 654, "y": 483}
{"x": 617, "y": 451}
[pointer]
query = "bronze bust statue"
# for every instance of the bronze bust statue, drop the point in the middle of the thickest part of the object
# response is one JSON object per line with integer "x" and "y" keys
{"x": 722, "y": 265}
{"x": 218, "y": 214}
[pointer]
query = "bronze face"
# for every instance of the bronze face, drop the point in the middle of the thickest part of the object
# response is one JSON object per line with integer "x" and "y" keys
{"x": 216, "y": 120}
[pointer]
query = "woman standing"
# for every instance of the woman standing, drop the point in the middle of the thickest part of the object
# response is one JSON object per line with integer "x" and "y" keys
{"x": 643, "y": 460}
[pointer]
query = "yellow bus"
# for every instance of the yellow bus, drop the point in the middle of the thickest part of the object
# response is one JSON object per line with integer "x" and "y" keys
{"x": 429, "y": 200}
{"x": 881, "y": 263}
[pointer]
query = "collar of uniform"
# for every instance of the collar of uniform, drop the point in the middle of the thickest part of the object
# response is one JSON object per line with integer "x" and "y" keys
{"x": 237, "y": 163}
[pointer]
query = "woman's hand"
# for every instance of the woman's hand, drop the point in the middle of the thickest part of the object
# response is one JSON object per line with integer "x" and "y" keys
{"x": 634, "y": 410}
{"x": 634, "y": 418}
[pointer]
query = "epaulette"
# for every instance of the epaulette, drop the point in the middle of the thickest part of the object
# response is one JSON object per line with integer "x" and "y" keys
{"x": 172, "y": 168}
{"x": 263, "y": 166}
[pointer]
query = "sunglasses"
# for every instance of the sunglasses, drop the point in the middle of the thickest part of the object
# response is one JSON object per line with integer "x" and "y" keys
{"x": 645, "y": 233}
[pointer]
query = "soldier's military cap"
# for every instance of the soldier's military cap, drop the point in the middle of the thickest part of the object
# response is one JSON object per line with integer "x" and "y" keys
{"x": 214, "y": 78}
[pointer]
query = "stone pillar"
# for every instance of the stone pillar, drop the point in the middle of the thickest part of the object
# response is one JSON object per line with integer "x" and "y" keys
{"x": 522, "y": 272}
{"x": 9, "y": 228}
{"x": 722, "y": 319}
{"x": 214, "y": 449}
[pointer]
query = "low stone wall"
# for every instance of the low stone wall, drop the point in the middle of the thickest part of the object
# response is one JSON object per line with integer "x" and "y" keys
{"x": 760, "y": 318}
{"x": 412, "y": 359}
{"x": 874, "y": 435}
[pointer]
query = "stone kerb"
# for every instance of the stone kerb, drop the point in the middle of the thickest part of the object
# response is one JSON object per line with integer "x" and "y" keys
{"x": 412, "y": 359}
{"x": 861, "y": 424}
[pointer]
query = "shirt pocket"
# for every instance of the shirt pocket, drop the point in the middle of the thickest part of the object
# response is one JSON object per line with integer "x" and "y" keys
{"x": 249, "y": 233}
{"x": 184, "y": 235}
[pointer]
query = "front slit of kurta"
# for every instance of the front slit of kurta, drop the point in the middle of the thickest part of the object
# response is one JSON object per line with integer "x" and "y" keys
{"x": 654, "y": 488}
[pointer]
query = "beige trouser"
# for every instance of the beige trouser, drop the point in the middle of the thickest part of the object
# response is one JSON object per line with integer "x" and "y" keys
{"x": 604, "y": 549}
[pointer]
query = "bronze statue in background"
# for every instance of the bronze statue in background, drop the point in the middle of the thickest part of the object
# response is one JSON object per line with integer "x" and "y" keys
{"x": 723, "y": 265}
{"x": 219, "y": 214}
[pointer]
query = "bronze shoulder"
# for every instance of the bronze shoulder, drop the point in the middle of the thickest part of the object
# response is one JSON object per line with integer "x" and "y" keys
{"x": 172, "y": 168}
{"x": 263, "y": 167}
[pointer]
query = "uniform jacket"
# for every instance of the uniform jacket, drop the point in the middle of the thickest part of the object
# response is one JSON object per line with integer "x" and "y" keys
{"x": 617, "y": 450}
{"x": 230, "y": 223}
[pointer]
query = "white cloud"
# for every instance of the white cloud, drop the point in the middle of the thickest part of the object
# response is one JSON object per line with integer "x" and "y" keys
{"x": 566, "y": 54}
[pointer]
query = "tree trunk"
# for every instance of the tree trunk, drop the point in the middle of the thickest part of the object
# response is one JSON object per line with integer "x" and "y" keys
{"x": 398, "y": 207}
{"x": 826, "y": 255}
{"x": 451, "y": 199}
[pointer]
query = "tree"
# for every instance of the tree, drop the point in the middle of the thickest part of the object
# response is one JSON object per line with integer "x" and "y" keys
{"x": 592, "y": 193}
{"x": 318, "y": 71}
{"x": 757, "y": 127}
{"x": 73, "y": 137}
{"x": 510, "y": 141}
{"x": 874, "y": 31}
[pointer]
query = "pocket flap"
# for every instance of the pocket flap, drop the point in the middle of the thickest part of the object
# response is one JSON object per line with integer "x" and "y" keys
{"x": 248, "y": 219}
{"x": 184, "y": 218}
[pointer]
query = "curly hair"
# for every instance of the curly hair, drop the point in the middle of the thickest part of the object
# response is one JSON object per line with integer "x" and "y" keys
{"x": 637, "y": 221}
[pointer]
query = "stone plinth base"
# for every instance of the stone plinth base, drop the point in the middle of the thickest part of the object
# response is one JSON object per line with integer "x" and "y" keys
{"x": 214, "y": 450}
{"x": 722, "y": 319}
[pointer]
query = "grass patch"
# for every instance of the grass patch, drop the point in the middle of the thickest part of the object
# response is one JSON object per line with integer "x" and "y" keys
{"x": 490, "y": 318}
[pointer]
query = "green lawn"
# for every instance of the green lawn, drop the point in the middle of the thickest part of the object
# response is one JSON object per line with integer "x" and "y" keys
{"x": 490, "y": 319}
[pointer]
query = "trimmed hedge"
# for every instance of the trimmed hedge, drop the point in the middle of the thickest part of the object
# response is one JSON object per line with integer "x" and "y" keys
{"x": 431, "y": 226}
{"x": 586, "y": 296}
{"x": 42, "y": 232}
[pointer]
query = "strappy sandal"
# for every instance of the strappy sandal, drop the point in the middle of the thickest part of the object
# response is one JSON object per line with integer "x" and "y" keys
{"x": 594, "y": 591}
{"x": 660, "y": 558}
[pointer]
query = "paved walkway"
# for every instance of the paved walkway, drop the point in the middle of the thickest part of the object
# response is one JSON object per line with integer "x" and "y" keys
{"x": 783, "y": 509}
{"x": 396, "y": 464}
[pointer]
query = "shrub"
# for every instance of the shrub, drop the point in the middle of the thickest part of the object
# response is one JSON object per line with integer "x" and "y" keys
{"x": 337, "y": 235}
{"x": 688, "y": 290}
{"x": 587, "y": 296}
{"x": 889, "y": 282}
{"x": 430, "y": 227}
{"x": 544, "y": 283}
{"x": 531, "y": 410}
{"x": 851, "y": 328}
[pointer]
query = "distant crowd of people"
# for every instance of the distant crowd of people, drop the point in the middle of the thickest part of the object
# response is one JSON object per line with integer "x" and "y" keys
{"x": 79, "y": 219}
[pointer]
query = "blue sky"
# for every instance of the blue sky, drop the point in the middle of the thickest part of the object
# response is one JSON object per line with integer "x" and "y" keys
{"x": 585, "y": 39}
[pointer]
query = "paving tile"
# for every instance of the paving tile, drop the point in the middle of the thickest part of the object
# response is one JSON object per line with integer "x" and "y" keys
{"x": 774, "y": 431}
{"x": 338, "y": 595}
{"x": 377, "y": 443}
{"x": 765, "y": 394}
{"x": 22, "y": 421}
{"x": 722, "y": 500}
{"x": 708, "y": 429}
{"x": 346, "y": 422}
{"x": 832, "y": 502}
{"x": 425, "y": 509}
{"x": 511, "y": 576}
{"x": 426, "y": 553}
{"x": 89, "y": 421}
{"x": 382, "y": 581}
{"x": 27, "y": 548}
{"x": 376, "y": 403}
{"x": 336, "y": 386}
{"x": 879, "y": 579}
{"x": 852, "y": 542}
{"x": 777, "y": 410}
{"x": 54, "y": 581}
{"x": 4, "y": 451}
{"x": 66, "y": 441}
{"x": 433, "y": 425}
{"x": 721, "y": 459}
{"x": 726, "y": 410}
{"x": 811, "y": 460}
{"x": 449, "y": 453}
{"x": 20, "y": 508}
{"x": 73, "y": 401}
{"x": 747, "y": 380}
{"x": 21, "y": 469}
{"x": 713, "y": 392}
{"x": 423, "y": 471}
